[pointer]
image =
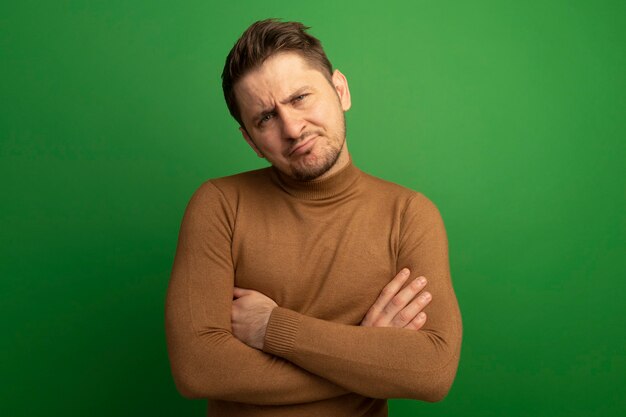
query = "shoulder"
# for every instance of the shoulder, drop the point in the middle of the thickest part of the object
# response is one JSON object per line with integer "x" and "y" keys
{"x": 414, "y": 209}
{"x": 232, "y": 185}
{"x": 222, "y": 193}
{"x": 409, "y": 198}
{"x": 243, "y": 179}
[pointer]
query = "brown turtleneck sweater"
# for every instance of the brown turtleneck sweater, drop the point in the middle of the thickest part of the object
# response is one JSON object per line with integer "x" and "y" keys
{"x": 323, "y": 250}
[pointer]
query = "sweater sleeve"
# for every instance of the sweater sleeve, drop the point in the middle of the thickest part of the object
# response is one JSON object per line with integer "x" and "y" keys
{"x": 386, "y": 362}
{"x": 207, "y": 361}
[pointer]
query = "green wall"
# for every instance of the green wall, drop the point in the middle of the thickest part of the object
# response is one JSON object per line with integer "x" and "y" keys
{"x": 509, "y": 115}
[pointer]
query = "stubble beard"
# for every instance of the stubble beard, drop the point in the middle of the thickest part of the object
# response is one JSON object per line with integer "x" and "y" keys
{"x": 310, "y": 166}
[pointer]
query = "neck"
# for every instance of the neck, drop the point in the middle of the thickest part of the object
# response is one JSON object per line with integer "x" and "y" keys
{"x": 339, "y": 185}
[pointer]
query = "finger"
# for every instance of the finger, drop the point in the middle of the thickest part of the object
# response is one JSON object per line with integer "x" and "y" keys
{"x": 407, "y": 314}
{"x": 417, "y": 322}
{"x": 391, "y": 289}
{"x": 385, "y": 296}
{"x": 403, "y": 298}
{"x": 240, "y": 292}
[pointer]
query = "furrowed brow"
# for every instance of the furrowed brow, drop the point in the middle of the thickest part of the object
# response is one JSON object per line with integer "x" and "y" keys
{"x": 297, "y": 93}
{"x": 261, "y": 113}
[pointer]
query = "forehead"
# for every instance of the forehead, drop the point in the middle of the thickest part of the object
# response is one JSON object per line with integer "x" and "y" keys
{"x": 277, "y": 78}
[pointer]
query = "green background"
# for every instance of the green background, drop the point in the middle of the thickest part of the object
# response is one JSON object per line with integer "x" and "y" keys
{"x": 509, "y": 115}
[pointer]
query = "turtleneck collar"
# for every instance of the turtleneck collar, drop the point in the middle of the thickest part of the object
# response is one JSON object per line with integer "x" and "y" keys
{"x": 329, "y": 187}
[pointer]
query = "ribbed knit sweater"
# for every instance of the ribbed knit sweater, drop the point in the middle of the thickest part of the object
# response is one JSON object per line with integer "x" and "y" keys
{"x": 323, "y": 250}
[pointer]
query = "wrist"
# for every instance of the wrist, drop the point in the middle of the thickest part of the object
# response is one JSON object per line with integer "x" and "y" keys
{"x": 280, "y": 334}
{"x": 263, "y": 329}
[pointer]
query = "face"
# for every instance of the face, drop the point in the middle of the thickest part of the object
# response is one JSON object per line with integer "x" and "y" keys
{"x": 293, "y": 116}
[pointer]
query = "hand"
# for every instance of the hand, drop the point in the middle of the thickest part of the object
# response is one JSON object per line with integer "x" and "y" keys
{"x": 249, "y": 316}
{"x": 399, "y": 307}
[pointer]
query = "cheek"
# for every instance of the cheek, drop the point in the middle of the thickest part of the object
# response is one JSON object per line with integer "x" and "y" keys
{"x": 269, "y": 142}
{"x": 332, "y": 111}
{"x": 322, "y": 116}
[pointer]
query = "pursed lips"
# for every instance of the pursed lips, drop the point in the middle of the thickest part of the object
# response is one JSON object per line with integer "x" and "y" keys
{"x": 302, "y": 144}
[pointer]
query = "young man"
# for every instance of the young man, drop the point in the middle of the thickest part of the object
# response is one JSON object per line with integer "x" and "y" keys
{"x": 283, "y": 300}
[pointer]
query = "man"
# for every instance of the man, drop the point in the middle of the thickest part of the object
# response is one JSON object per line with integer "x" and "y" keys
{"x": 284, "y": 298}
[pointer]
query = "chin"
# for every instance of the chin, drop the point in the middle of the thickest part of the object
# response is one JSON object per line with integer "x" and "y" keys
{"x": 311, "y": 171}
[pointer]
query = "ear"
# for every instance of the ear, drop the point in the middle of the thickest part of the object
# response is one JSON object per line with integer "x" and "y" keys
{"x": 248, "y": 139}
{"x": 341, "y": 86}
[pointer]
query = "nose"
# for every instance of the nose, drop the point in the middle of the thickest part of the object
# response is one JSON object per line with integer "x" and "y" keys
{"x": 292, "y": 123}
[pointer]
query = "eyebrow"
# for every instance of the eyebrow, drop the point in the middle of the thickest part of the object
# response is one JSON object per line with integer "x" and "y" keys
{"x": 298, "y": 92}
{"x": 265, "y": 111}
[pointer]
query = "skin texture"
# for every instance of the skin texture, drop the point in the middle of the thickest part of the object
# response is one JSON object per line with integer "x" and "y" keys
{"x": 399, "y": 306}
{"x": 293, "y": 116}
{"x": 250, "y": 314}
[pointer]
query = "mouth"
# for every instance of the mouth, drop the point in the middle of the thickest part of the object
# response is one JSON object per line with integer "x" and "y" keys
{"x": 303, "y": 146}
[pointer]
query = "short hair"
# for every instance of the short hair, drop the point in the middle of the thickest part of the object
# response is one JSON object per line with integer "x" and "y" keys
{"x": 260, "y": 41}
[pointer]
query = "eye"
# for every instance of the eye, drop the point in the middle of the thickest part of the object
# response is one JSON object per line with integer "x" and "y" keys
{"x": 300, "y": 97}
{"x": 265, "y": 118}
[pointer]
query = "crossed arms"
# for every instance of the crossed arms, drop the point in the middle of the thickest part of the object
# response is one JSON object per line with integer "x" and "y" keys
{"x": 303, "y": 359}
{"x": 397, "y": 306}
